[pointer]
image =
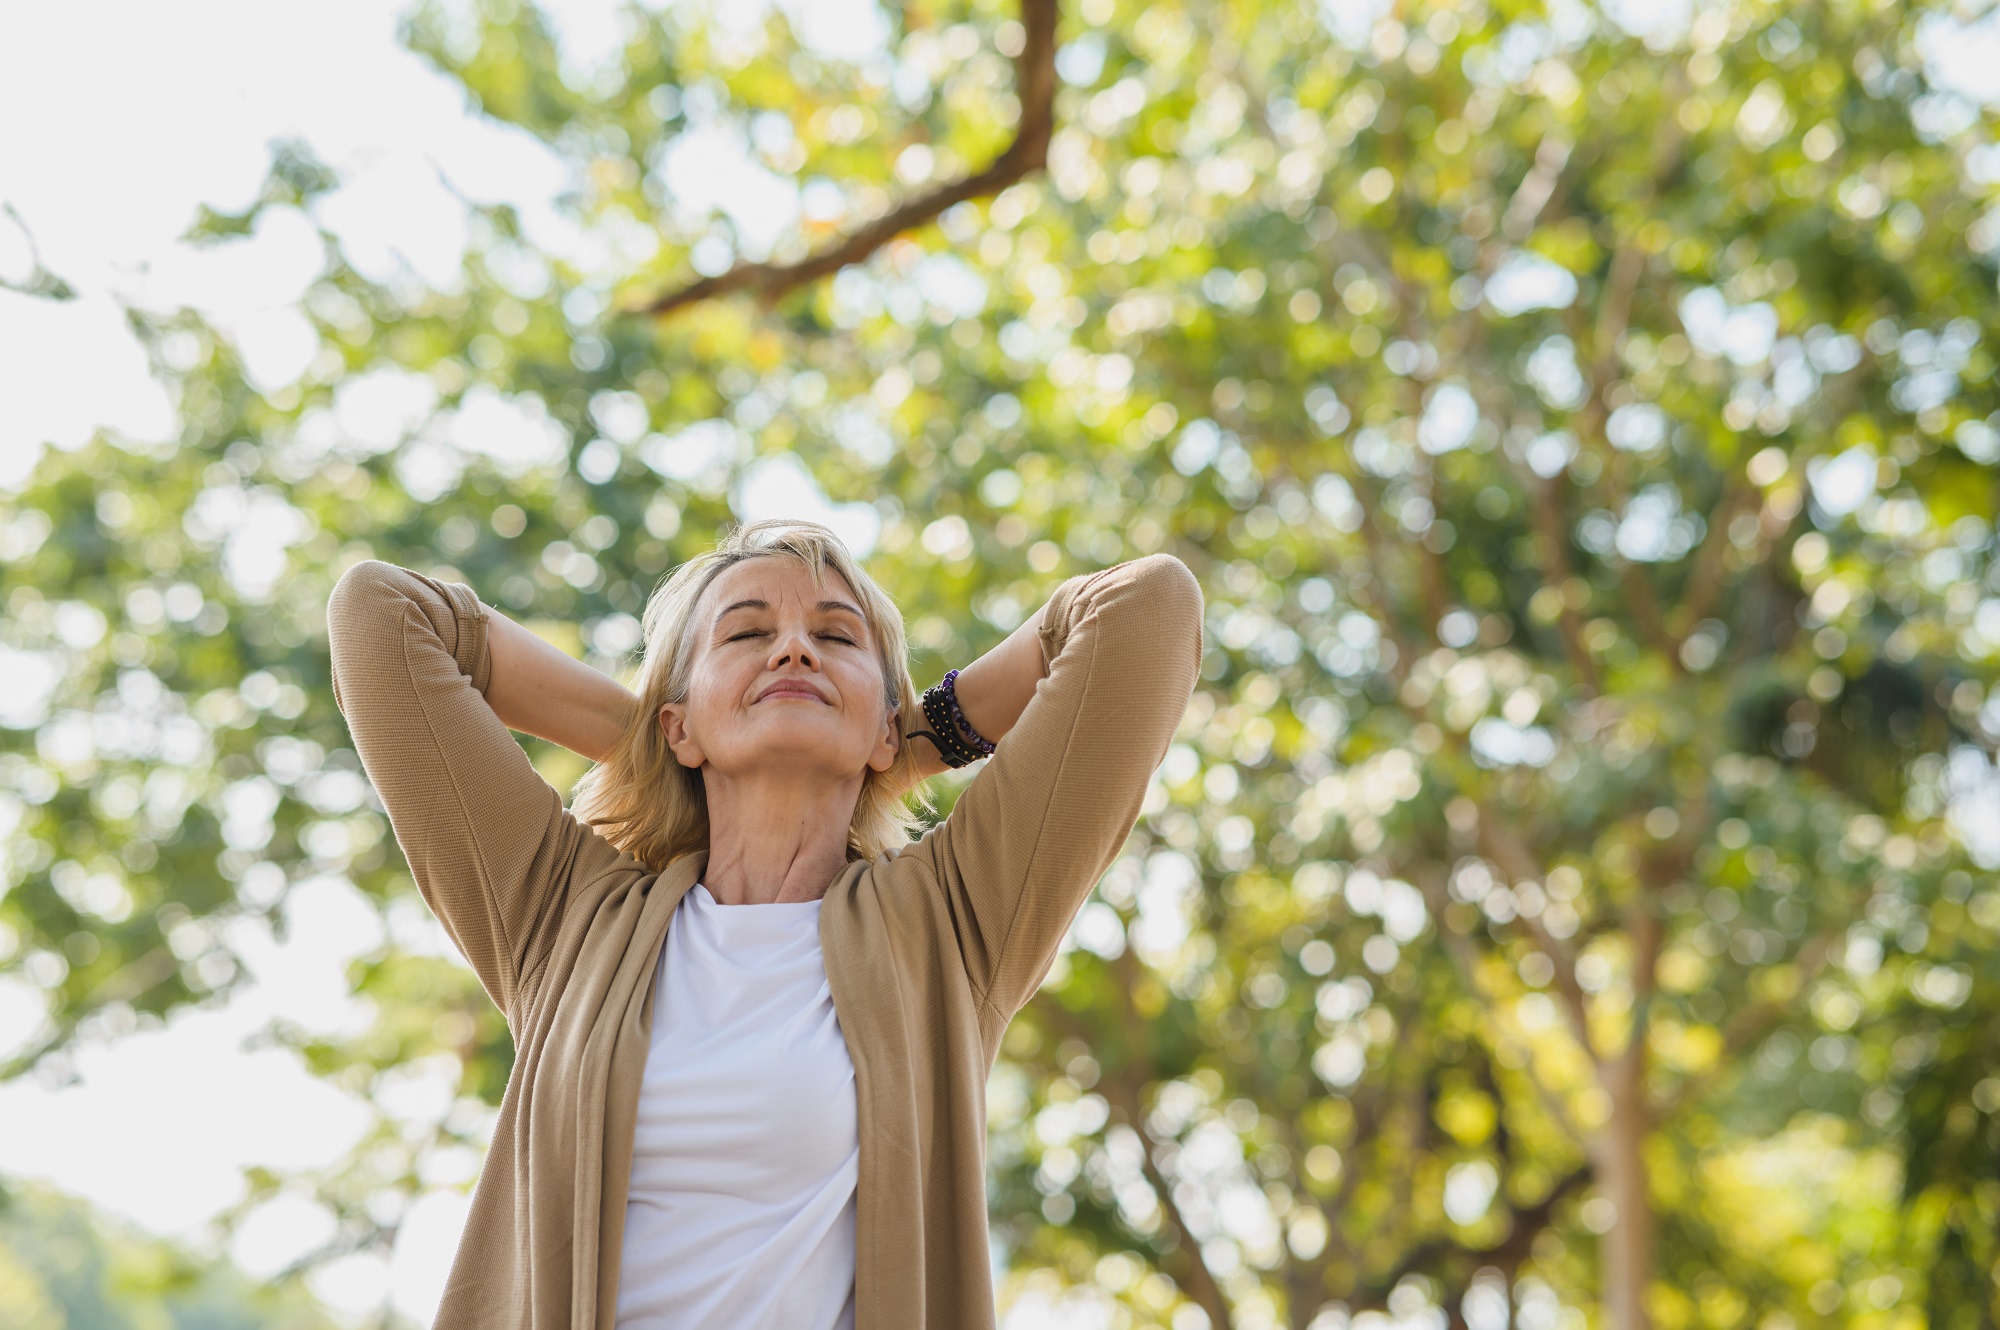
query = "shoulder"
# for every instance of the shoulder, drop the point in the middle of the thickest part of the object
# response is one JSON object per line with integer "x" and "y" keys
{"x": 900, "y": 883}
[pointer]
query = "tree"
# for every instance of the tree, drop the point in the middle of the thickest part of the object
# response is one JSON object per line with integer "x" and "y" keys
{"x": 62, "y": 1265}
{"x": 1583, "y": 437}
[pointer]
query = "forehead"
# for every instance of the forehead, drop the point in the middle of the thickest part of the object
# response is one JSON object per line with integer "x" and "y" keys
{"x": 775, "y": 578}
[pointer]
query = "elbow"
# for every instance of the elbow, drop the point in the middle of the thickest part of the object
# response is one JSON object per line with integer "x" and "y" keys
{"x": 366, "y": 582}
{"x": 1174, "y": 594}
{"x": 359, "y": 606}
{"x": 1148, "y": 610}
{"x": 369, "y": 609}
{"x": 353, "y": 613}
{"x": 1152, "y": 609}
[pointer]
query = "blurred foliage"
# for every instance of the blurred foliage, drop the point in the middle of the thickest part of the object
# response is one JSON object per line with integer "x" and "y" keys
{"x": 1586, "y": 439}
{"x": 66, "y": 1267}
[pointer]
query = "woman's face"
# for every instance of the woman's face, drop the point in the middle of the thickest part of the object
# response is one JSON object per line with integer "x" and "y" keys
{"x": 786, "y": 677}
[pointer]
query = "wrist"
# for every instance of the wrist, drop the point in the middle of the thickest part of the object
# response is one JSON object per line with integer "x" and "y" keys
{"x": 957, "y": 742}
{"x": 955, "y": 713}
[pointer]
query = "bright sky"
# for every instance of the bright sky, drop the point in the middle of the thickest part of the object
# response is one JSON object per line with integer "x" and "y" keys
{"x": 180, "y": 111}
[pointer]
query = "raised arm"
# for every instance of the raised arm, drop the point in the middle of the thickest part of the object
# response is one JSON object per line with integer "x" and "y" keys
{"x": 992, "y": 691}
{"x": 542, "y": 690}
{"x": 1030, "y": 837}
{"x": 492, "y": 848}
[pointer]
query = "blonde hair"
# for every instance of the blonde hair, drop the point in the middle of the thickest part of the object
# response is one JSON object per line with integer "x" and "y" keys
{"x": 643, "y": 800}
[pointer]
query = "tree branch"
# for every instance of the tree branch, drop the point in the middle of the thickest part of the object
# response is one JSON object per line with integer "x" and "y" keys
{"x": 1614, "y": 313}
{"x": 1528, "y": 1223}
{"x": 1035, "y": 85}
{"x": 1547, "y": 504}
{"x": 1515, "y": 860}
{"x": 1536, "y": 188}
{"x": 1123, "y": 1091}
{"x": 1459, "y": 948}
{"x": 1193, "y": 1275}
{"x": 39, "y": 282}
{"x": 1704, "y": 581}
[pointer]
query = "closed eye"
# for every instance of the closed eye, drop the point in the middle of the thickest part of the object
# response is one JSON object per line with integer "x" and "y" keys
{"x": 758, "y": 632}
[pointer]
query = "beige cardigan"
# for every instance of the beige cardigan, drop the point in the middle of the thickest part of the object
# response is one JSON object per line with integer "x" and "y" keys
{"x": 929, "y": 950}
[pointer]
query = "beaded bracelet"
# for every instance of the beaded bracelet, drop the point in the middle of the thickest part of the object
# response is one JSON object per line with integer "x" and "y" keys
{"x": 949, "y": 687}
{"x": 952, "y": 735}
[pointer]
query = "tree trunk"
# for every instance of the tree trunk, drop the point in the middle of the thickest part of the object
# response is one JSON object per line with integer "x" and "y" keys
{"x": 1627, "y": 1246}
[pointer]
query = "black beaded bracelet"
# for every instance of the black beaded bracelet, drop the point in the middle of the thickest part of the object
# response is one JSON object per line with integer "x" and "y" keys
{"x": 946, "y": 734}
{"x": 949, "y": 687}
{"x": 951, "y": 734}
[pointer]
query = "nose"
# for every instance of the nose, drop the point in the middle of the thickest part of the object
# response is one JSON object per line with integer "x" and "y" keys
{"x": 792, "y": 644}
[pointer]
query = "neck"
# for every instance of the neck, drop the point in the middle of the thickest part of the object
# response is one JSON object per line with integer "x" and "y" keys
{"x": 776, "y": 837}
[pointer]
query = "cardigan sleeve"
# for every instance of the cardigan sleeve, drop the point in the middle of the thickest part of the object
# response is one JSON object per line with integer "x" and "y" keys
{"x": 491, "y": 846}
{"x": 1028, "y": 840}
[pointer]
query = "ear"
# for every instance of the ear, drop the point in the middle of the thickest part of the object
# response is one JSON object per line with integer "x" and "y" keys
{"x": 673, "y": 726}
{"x": 891, "y": 742}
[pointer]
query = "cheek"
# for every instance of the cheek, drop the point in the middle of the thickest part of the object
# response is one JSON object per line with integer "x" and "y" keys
{"x": 863, "y": 683}
{"x": 708, "y": 701}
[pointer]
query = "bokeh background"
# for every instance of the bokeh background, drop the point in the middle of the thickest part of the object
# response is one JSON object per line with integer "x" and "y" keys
{"x": 1570, "y": 900}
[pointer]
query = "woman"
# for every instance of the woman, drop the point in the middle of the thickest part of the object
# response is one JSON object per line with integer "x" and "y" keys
{"x": 771, "y": 1114}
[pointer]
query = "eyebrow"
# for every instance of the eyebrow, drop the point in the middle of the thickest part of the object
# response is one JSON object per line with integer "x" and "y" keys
{"x": 827, "y": 606}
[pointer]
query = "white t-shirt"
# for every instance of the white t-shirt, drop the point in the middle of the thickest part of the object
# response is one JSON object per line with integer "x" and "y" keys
{"x": 748, "y": 1147}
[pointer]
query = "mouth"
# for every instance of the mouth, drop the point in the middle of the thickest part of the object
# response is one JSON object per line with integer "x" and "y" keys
{"x": 802, "y": 694}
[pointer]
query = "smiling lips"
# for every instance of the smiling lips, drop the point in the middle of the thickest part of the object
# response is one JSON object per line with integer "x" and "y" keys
{"x": 791, "y": 688}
